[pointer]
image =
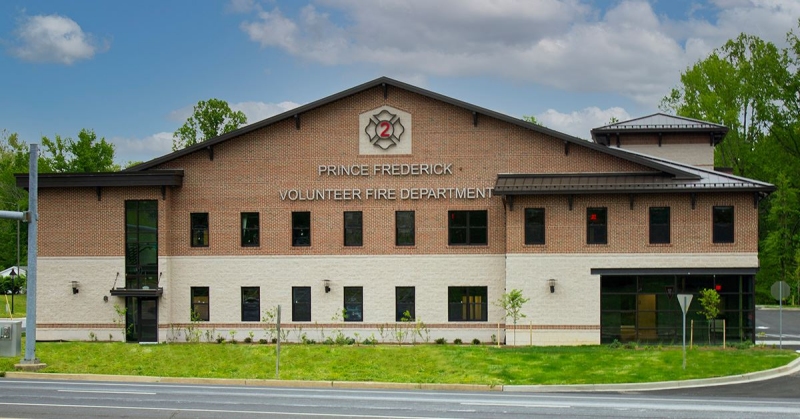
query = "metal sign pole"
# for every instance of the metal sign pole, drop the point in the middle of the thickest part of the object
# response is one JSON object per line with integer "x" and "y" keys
{"x": 685, "y": 300}
{"x": 278, "y": 346}
{"x": 780, "y": 318}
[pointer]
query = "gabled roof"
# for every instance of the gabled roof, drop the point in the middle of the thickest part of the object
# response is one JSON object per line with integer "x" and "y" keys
{"x": 706, "y": 180}
{"x": 387, "y": 84}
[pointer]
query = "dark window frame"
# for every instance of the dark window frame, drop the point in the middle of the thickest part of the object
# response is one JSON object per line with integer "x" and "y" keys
{"x": 199, "y": 230}
{"x": 468, "y": 310}
{"x": 141, "y": 244}
{"x": 353, "y": 228}
{"x": 250, "y": 235}
{"x": 247, "y": 306}
{"x": 534, "y": 228}
{"x": 196, "y": 302}
{"x": 354, "y": 308}
{"x": 405, "y": 230}
{"x": 468, "y": 227}
{"x": 723, "y": 230}
{"x": 301, "y": 309}
{"x": 660, "y": 230}
{"x": 405, "y": 300}
{"x": 301, "y": 228}
{"x": 597, "y": 229}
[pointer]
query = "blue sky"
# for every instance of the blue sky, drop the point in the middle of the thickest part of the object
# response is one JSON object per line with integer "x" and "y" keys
{"x": 133, "y": 70}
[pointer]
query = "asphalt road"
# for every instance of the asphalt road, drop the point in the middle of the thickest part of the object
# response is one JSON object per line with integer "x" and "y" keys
{"x": 771, "y": 322}
{"x": 69, "y": 399}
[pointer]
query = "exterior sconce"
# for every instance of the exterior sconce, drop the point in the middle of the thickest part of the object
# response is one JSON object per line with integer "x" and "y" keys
{"x": 327, "y": 284}
{"x": 552, "y": 283}
{"x": 75, "y": 289}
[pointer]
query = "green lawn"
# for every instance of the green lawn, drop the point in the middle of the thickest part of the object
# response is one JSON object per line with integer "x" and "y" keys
{"x": 411, "y": 364}
{"x": 20, "y": 306}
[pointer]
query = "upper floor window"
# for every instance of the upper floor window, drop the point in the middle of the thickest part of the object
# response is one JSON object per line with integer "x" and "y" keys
{"x": 199, "y": 226}
{"x": 301, "y": 228}
{"x": 353, "y": 228}
{"x": 659, "y": 225}
{"x": 534, "y": 225}
{"x": 250, "y": 234}
{"x": 723, "y": 224}
{"x": 404, "y": 228}
{"x": 596, "y": 225}
{"x": 467, "y": 227}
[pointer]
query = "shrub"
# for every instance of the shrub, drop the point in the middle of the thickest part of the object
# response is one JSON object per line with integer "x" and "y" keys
{"x": 248, "y": 340}
{"x": 370, "y": 341}
{"x": 746, "y": 344}
{"x": 476, "y": 341}
{"x": 441, "y": 341}
{"x": 220, "y": 339}
{"x": 615, "y": 344}
{"x": 263, "y": 341}
{"x": 631, "y": 345}
{"x": 457, "y": 341}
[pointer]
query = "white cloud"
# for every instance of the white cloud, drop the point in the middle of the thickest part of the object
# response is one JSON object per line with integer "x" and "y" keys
{"x": 627, "y": 48}
{"x": 54, "y": 39}
{"x": 142, "y": 149}
{"x": 256, "y": 111}
{"x": 579, "y": 123}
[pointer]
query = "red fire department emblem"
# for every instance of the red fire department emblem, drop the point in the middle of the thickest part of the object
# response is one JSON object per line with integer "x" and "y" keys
{"x": 384, "y": 129}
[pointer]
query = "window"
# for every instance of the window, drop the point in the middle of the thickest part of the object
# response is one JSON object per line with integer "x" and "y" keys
{"x": 251, "y": 304}
{"x": 199, "y": 221}
{"x": 659, "y": 225}
{"x": 141, "y": 244}
{"x": 723, "y": 224}
{"x": 354, "y": 304}
{"x": 467, "y": 304}
{"x": 467, "y": 227}
{"x": 353, "y": 224}
{"x": 404, "y": 228}
{"x": 301, "y": 304}
{"x": 200, "y": 303}
{"x": 596, "y": 226}
{"x": 250, "y": 235}
{"x": 301, "y": 229}
{"x": 404, "y": 302}
{"x": 534, "y": 225}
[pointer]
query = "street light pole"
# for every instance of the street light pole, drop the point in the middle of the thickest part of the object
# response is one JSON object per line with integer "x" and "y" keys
{"x": 12, "y": 275}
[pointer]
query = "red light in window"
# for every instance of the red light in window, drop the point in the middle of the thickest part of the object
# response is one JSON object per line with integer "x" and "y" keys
{"x": 593, "y": 217}
{"x": 718, "y": 288}
{"x": 452, "y": 216}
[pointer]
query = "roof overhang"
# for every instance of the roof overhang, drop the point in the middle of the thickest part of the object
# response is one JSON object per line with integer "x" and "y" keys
{"x": 99, "y": 180}
{"x": 674, "y": 271}
{"x": 137, "y": 292}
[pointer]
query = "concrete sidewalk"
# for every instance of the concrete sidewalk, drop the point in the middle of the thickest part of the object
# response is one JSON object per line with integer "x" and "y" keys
{"x": 791, "y": 368}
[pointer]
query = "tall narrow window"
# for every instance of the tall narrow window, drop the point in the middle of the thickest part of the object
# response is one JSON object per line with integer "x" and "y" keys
{"x": 467, "y": 227}
{"x": 467, "y": 304}
{"x": 141, "y": 244}
{"x": 723, "y": 224}
{"x": 199, "y": 221}
{"x": 659, "y": 225}
{"x": 534, "y": 225}
{"x": 596, "y": 226}
{"x": 251, "y": 304}
{"x": 200, "y": 304}
{"x": 250, "y": 232}
{"x": 353, "y": 304}
{"x": 301, "y": 229}
{"x": 301, "y": 304}
{"x": 404, "y": 303}
{"x": 404, "y": 228}
{"x": 353, "y": 227}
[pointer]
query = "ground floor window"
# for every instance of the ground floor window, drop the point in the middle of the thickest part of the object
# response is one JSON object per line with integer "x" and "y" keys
{"x": 251, "y": 304}
{"x": 467, "y": 304}
{"x": 354, "y": 304}
{"x": 645, "y": 308}
{"x": 301, "y": 304}
{"x": 200, "y": 304}
{"x": 404, "y": 303}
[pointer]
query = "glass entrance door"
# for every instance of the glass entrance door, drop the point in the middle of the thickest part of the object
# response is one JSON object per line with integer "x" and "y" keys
{"x": 141, "y": 319}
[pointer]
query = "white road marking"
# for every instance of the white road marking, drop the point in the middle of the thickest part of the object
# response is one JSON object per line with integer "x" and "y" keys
{"x": 544, "y": 406}
{"x": 106, "y": 392}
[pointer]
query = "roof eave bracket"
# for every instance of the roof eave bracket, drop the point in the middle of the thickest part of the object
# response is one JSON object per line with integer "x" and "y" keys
{"x": 99, "y": 193}
{"x": 570, "y": 200}
{"x": 385, "y": 91}
{"x": 694, "y": 200}
{"x": 474, "y": 119}
{"x": 210, "y": 152}
{"x": 297, "y": 121}
{"x": 566, "y": 148}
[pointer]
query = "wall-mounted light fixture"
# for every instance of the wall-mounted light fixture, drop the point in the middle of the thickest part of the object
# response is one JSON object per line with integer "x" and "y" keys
{"x": 552, "y": 283}
{"x": 327, "y": 284}
{"x": 75, "y": 289}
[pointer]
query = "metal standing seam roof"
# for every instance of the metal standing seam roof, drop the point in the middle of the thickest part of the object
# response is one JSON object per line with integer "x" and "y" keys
{"x": 660, "y": 121}
{"x": 651, "y": 182}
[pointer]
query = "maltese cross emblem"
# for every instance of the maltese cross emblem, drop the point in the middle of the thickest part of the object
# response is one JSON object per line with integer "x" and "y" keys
{"x": 384, "y": 129}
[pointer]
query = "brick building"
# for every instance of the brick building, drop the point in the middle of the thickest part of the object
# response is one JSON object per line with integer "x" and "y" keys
{"x": 387, "y": 198}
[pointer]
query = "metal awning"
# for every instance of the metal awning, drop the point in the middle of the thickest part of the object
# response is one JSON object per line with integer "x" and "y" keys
{"x": 674, "y": 271}
{"x": 137, "y": 292}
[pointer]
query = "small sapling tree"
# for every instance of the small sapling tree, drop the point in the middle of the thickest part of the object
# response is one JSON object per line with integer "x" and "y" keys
{"x": 512, "y": 302}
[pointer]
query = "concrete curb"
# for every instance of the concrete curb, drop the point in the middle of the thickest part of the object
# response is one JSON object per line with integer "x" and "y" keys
{"x": 790, "y": 368}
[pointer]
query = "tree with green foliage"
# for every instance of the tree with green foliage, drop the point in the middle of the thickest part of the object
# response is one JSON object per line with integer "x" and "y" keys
{"x": 86, "y": 154}
{"x": 210, "y": 118}
{"x": 782, "y": 242}
{"x": 532, "y": 119}
{"x": 710, "y": 302}
{"x": 511, "y": 303}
